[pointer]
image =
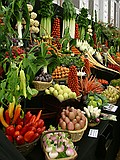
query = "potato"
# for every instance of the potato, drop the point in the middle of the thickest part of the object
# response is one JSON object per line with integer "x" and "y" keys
{"x": 63, "y": 125}
{"x": 70, "y": 126}
{"x": 77, "y": 126}
{"x": 82, "y": 124}
{"x": 71, "y": 115}
{"x": 74, "y": 121}
{"x": 78, "y": 118}
{"x": 67, "y": 120}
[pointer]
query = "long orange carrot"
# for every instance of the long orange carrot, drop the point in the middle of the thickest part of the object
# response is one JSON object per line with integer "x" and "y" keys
{"x": 38, "y": 115}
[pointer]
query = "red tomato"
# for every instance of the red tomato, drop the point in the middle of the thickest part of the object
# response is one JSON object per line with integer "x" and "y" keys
{"x": 28, "y": 135}
{"x": 10, "y": 138}
{"x": 20, "y": 140}
{"x": 10, "y": 130}
{"x": 17, "y": 133}
{"x": 18, "y": 127}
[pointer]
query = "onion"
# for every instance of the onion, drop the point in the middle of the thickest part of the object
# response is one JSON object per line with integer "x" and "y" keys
{"x": 77, "y": 126}
{"x": 67, "y": 120}
{"x": 82, "y": 124}
{"x": 78, "y": 118}
{"x": 70, "y": 126}
{"x": 63, "y": 125}
{"x": 71, "y": 115}
{"x": 74, "y": 121}
{"x": 63, "y": 117}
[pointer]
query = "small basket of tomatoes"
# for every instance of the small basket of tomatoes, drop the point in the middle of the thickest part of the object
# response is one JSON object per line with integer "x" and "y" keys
{"x": 23, "y": 130}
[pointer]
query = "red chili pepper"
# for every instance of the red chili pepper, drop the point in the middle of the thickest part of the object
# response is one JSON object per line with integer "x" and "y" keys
{"x": 35, "y": 136}
{"x": 20, "y": 140}
{"x": 19, "y": 121}
{"x": 10, "y": 138}
{"x": 38, "y": 115}
{"x": 33, "y": 118}
{"x": 7, "y": 118}
{"x": 27, "y": 118}
{"x": 28, "y": 136}
{"x": 17, "y": 113}
{"x": 10, "y": 130}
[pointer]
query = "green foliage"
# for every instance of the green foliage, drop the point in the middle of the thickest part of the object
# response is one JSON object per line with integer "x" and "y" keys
{"x": 69, "y": 11}
{"x": 46, "y": 8}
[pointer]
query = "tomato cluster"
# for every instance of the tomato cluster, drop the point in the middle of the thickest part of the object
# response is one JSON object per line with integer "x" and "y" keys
{"x": 25, "y": 130}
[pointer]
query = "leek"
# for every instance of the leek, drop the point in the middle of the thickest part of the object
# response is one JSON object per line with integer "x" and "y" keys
{"x": 69, "y": 15}
{"x": 46, "y": 12}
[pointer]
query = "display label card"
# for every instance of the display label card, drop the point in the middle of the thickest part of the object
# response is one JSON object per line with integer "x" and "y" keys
{"x": 110, "y": 107}
{"x": 62, "y": 82}
{"x": 93, "y": 133}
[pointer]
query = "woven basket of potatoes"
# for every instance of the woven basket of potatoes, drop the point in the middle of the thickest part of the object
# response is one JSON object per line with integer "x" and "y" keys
{"x": 74, "y": 121}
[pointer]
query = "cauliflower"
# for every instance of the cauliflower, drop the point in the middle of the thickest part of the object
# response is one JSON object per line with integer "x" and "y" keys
{"x": 33, "y": 15}
{"x": 36, "y": 23}
{"x": 33, "y": 28}
{"x": 30, "y": 7}
{"x": 36, "y": 30}
{"x": 32, "y": 22}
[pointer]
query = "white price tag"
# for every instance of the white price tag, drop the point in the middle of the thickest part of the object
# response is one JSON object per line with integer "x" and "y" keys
{"x": 93, "y": 133}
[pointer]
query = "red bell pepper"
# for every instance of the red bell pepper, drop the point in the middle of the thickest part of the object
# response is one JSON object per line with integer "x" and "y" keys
{"x": 25, "y": 128}
{"x": 16, "y": 134}
{"x": 10, "y": 130}
{"x": 18, "y": 127}
{"x": 28, "y": 136}
{"x": 10, "y": 138}
{"x": 35, "y": 136}
{"x": 39, "y": 131}
{"x": 20, "y": 140}
{"x": 32, "y": 128}
{"x": 40, "y": 123}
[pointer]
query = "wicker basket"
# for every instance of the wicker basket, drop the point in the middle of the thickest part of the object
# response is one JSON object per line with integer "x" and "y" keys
{"x": 46, "y": 154}
{"x": 41, "y": 86}
{"x": 26, "y": 148}
{"x": 77, "y": 135}
{"x": 91, "y": 124}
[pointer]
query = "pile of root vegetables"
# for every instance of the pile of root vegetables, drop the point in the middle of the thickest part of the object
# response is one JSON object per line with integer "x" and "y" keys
{"x": 72, "y": 119}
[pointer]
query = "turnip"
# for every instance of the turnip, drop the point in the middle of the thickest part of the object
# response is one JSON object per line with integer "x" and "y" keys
{"x": 70, "y": 152}
{"x": 53, "y": 154}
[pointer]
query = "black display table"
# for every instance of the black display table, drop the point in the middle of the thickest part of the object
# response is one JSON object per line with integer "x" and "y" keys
{"x": 104, "y": 147}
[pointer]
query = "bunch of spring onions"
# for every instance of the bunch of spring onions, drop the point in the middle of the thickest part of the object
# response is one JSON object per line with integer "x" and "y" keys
{"x": 69, "y": 15}
{"x": 46, "y": 12}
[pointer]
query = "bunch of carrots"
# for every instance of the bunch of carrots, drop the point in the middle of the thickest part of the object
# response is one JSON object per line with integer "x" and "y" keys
{"x": 90, "y": 84}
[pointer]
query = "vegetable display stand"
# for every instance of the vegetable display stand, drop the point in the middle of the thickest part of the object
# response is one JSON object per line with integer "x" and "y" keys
{"x": 26, "y": 148}
{"x": 40, "y": 86}
{"x": 77, "y": 135}
{"x": 57, "y": 132}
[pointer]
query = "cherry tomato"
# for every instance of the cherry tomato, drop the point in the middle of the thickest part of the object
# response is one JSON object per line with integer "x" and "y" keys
{"x": 28, "y": 135}
{"x": 20, "y": 140}
{"x": 10, "y": 130}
